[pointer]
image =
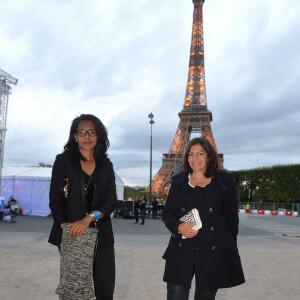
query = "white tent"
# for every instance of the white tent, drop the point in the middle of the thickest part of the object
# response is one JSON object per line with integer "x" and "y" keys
{"x": 30, "y": 186}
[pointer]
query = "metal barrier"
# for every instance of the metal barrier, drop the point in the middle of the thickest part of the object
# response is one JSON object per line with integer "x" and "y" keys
{"x": 271, "y": 206}
{"x": 280, "y": 209}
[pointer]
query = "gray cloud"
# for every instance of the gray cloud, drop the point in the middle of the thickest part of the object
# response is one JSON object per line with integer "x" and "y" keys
{"x": 122, "y": 60}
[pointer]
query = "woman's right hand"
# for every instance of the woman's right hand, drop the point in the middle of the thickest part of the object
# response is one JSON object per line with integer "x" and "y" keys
{"x": 77, "y": 228}
{"x": 62, "y": 225}
{"x": 186, "y": 230}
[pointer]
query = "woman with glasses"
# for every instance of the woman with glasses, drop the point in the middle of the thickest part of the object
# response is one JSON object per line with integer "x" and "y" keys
{"x": 201, "y": 213}
{"x": 82, "y": 198}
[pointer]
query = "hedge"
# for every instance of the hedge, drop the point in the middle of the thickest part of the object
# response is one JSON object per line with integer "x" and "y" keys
{"x": 280, "y": 183}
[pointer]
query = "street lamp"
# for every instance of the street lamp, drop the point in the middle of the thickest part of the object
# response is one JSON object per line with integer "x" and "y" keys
{"x": 151, "y": 116}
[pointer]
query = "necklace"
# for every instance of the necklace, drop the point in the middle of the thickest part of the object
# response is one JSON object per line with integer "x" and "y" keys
{"x": 87, "y": 185}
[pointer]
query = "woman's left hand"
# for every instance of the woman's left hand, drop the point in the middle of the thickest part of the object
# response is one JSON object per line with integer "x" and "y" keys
{"x": 79, "y": 227}
{"x": 186, "y": 230}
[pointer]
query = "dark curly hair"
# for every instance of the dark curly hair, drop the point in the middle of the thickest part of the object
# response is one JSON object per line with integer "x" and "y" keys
{"x": 71, "y": 147}
{"x": 213, "y": 163}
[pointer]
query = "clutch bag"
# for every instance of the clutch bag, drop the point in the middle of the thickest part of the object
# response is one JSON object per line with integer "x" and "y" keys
{"x": 192, "y": 217}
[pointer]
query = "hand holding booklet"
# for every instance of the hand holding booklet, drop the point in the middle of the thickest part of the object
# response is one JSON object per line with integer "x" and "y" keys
{"x": 192, "y": 217}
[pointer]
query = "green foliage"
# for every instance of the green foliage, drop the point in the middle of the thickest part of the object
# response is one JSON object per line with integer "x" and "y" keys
{"x": 285, "y": 185}
{"x": 136, "y": 192}
{"x": 243, "y": 195}
{"x": 271, "y": 184}
{"x": 263, "y": 190}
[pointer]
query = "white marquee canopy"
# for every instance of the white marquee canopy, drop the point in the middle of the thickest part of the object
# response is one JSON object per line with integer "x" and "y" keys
{"x": 30, "y": 187}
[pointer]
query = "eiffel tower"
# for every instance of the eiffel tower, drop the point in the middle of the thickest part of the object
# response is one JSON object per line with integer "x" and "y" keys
{"x": 194, "y": 117}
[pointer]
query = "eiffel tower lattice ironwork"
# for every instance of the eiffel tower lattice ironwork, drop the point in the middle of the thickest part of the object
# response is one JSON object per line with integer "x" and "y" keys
{"x": 194, "y": 117}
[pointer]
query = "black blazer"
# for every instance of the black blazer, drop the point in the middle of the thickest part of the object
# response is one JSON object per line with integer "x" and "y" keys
{"x": 215, "y": 250}
{"x": 72, "y": 208}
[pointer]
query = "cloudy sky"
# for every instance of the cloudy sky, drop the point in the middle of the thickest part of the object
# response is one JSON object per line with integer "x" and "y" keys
{"x": 121, "y": 60}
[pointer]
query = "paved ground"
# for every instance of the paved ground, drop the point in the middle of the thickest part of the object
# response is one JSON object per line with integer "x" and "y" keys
{"x": 271, "y": 261}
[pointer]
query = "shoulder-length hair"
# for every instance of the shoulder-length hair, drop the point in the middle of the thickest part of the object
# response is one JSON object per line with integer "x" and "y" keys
{"x": 213, "y": 163}
{"x": 71, "y": 147}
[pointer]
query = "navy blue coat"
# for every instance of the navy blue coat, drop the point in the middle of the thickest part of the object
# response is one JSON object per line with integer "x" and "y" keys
{"x": 212, "y": 255}
{"x": 72, "y": 209}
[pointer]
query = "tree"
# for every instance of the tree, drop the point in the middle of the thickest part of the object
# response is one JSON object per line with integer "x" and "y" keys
{"x": 272, "y": 184}
{"x": 263, "y": 190}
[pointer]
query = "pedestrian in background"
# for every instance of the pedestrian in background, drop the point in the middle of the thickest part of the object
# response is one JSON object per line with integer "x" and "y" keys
{"x": 154, "y": 208}
{"x": 248, "y": 208}
{"x": 1, "y": 210}
{"x": 13, "y": 209}
{"x": 136, "y": 208}
{"x": 142, "y": 207}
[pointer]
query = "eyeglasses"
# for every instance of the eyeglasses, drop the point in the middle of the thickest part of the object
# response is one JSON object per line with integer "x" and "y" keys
{"x": 90, "y": 132}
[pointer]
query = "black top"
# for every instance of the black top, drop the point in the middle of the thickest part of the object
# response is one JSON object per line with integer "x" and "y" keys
{"x": 137, "y": 204}
{"x": 197, "y": 195}
{"x": 154, "y": 204}
{"x": 143, "y": 205}
{"x": 89, "y": 188}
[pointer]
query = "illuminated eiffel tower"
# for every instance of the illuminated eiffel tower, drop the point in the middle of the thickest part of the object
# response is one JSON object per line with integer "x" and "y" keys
{"x": 194, "y": 117}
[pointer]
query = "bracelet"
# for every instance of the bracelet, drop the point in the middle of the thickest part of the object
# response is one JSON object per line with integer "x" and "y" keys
{"x": 93, "y": 216}
{"x": 96, "y": 212}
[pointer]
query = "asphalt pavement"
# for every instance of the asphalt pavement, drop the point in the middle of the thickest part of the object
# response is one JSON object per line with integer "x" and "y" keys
{"x": 271, "y": 261}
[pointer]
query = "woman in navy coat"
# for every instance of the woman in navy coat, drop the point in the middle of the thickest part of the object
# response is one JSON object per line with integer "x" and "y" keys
{"x": 210, "y": 253}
